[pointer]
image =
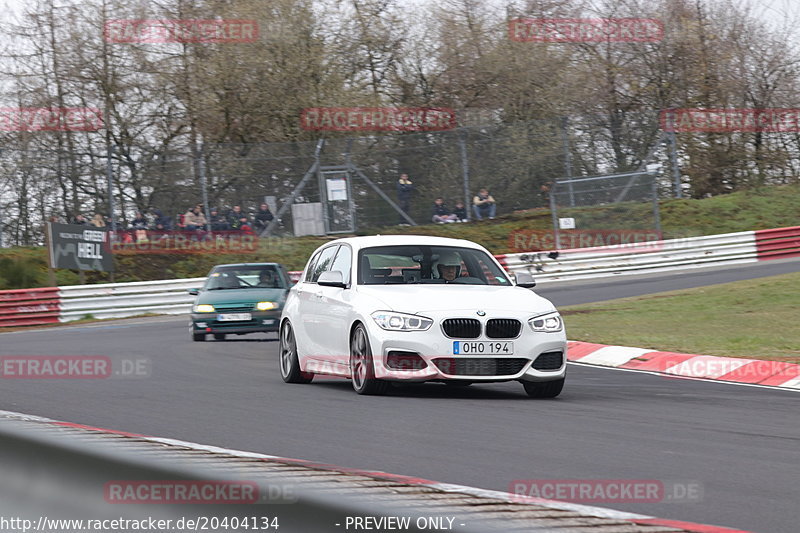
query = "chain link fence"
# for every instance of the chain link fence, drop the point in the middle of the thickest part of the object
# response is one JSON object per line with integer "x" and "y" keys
{"x": 517, "y": 162}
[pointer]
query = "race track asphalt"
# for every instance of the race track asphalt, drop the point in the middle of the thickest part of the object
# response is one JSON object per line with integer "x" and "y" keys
{"x": 741, "y": 444}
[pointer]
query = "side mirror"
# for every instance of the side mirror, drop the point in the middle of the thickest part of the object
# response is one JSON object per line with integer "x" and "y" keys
{"x": 194, "y": 292}
{"x": 525, "y": 280}
{"x": 331, "y": 279}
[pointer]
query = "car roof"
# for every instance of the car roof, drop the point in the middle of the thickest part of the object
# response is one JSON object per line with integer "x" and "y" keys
{"x": 395, "y": 240}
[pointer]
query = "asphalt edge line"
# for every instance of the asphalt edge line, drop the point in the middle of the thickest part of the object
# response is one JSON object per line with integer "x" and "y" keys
{"x": 599, "y": 512}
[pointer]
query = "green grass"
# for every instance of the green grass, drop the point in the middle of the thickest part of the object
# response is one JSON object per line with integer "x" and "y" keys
{"x": 770, "y": 207}
{"x": 753, "y": 319}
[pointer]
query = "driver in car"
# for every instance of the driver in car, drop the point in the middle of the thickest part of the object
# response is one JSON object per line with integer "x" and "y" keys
{"x": 266, "y": 279}
{"x": 449, "y": 266}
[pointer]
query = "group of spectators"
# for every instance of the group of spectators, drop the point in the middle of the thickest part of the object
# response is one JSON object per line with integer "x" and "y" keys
{"x": 98, "y": 220}
{"x": 483, "y": 204}
{"x": 234, "y": 220}
{"x": 193, "y": 220}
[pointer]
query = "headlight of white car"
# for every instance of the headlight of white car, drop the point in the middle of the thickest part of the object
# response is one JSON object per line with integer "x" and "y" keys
{"x": 549, "y": 323}
{"x": 392, "y": 321}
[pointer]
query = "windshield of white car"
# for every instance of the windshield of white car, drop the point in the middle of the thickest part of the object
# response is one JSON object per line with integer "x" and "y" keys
{"x": 251, "y": 277}
{"x": 441, "y": 265}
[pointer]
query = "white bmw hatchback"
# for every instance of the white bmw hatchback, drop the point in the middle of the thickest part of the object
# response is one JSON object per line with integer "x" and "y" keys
{"x": 413, "y": 308}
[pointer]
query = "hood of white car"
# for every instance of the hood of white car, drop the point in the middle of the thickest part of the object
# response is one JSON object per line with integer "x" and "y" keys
{"x": 437, "y": 298}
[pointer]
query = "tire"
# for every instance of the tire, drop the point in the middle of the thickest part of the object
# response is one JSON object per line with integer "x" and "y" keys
{"x": 219, "y": 336}
{"x": 198, "y": 337}
{"x": 543, "y": 389}
{"x": 289, "y": 363}
{"x": 362, "y": 370}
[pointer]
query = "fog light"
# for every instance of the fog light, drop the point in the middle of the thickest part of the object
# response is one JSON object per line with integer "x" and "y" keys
{"x": 408, "y": 361}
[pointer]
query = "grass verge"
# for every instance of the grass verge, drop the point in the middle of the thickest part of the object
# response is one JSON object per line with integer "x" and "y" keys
{"x": 753, "y": 319}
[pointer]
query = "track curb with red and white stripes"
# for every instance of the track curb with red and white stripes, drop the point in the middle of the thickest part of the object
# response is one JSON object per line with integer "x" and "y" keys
{"x": 588, "y": 510}
{"x": 680, "y": 365}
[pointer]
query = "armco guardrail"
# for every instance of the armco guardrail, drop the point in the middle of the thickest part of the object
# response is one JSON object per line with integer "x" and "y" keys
{"x": 118, "y": 300}
{"x": 778, "y": 243}
{"x": 29, "y": 307}
{"x": 727, "y": 249}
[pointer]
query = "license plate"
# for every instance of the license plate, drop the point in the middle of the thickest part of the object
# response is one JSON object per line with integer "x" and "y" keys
{"x": 231, "y": 317}
{"x": 482, "y": 348}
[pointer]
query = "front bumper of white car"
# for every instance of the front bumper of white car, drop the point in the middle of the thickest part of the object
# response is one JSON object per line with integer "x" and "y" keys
{"x": 429, "y": 355}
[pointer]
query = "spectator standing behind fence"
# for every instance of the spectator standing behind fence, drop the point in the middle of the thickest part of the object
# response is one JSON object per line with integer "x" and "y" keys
{"x": 460, "y": 211}
{"x": 80, "y": 220}
{"x": 441, "y": 214}
{"x": 484, "y": 205}
{"x": 405, "y": 188}
{"x": 262, "y": 218}
{"x": 194, "y": 219}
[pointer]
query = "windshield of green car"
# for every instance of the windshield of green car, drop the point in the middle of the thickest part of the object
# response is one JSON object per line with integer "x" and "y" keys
{"x": 245, "y": 277}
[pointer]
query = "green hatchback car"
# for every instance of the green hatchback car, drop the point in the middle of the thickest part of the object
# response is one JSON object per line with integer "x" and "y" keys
{"x": 238, "y": 299}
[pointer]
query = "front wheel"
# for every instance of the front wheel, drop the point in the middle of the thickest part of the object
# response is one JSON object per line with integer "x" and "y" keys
{"x": 290, "y": 364}
{"x": 362, "y": 370}
{"x": 543, "y": 389}
{"x": 198, "y": 337}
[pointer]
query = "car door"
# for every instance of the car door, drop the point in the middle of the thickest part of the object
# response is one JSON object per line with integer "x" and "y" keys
{"x": 309, "y": 311}
{"x": 335, "y": 312}
{"x": 301, "y": 307}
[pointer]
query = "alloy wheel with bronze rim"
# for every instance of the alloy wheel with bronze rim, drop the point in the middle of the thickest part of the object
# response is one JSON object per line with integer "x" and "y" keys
{"x": 290, "y": 365}
{"x": 362, "y": 370}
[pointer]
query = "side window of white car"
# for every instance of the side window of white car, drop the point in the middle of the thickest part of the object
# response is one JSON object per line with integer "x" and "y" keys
{"x": 342, "y": 262}
{"x": 310, "y": 267}
{"x": 324, "y": 261}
